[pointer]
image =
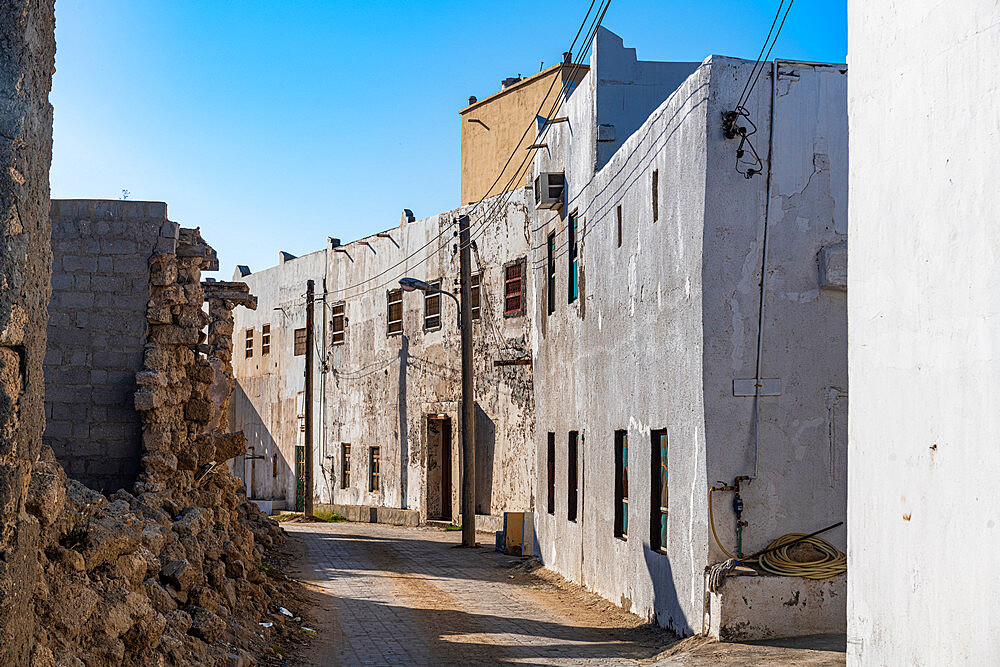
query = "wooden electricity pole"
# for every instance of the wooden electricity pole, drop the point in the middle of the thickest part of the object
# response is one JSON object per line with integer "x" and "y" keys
{"x": 468, "y": 401}
{"x": 307, "y": 491}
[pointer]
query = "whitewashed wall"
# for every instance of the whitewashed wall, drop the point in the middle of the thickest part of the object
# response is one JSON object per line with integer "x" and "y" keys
{"x": 924, "y": 316}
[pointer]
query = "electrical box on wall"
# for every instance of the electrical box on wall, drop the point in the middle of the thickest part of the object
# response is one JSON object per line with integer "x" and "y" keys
{"x": 549, "y": 187}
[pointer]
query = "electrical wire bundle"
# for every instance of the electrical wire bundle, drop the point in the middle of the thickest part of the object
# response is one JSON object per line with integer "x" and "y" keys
{"x": 750, "y": 166}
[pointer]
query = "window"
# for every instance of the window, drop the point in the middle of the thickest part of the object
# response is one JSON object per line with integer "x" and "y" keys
{"x": 551, "y": 276}
{"x": 248, "y": 350}
{"x": 432, "y": 307}
{"x": 474, "y": 286}
{"x": 619, "y": 225}
{"x": 394, "y": 304}
{"x": 552, "y": 473}
{"x": 656, "y": 195}
{"x": 513, "y": 288}
{"x": 571, "y": 470}
{"x": 265, "y": 340}
{"x": 658, "y": 491}
{"x": 373, "y": 474}
{"x": 300, "y": 342}
{"x": 274, "y": 466}
{"x": 571, "y": 255}
{"x": 621, "y": 484}
{"x": 345, "y": 465}
{"x": 338, "y": 323}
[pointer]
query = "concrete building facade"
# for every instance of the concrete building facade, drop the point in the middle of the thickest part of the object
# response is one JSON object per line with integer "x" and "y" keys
{"x": 641, "y": 328}
{"x": 387, "y": 371}
{"x": 646, "y": 306}
{"x": 924, "y": 323}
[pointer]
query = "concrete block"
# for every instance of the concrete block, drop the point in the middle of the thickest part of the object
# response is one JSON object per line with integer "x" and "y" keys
{"x": 395, "y": 516}
{"x": 74, "y": 263}
{"x": 767, "y": 607}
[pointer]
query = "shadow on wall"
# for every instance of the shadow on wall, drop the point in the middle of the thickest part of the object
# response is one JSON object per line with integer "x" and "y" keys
{"x": 266, "y": 478}
{"x": 485, "y": 449}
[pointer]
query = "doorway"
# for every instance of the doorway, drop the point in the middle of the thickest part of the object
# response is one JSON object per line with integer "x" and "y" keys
{"x": 439, "y": 463}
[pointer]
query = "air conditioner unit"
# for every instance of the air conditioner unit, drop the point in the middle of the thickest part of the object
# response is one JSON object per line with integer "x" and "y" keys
{"x": 549, "y": 188}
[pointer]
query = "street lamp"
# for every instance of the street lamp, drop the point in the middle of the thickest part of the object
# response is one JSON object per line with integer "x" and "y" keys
{"x": 468, "y": 404}
{"x": 415, "y": 285}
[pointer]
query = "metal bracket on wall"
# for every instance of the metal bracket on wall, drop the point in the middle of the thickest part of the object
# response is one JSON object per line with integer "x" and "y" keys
{"x": 747, "y": 387}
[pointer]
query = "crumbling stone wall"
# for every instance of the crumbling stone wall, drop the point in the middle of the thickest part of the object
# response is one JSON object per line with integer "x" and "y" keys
{"x": 97, "y": 333}
{"x": 27, "y": 53}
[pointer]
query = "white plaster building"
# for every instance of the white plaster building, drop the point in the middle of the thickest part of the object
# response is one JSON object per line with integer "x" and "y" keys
{"x": 924, "y": 316}
{"x": 387, "y": 373}
{"x": 643, "y": 358}
{"x": 638, "y": 305}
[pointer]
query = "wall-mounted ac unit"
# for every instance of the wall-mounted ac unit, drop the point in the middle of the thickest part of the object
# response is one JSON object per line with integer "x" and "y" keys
{"x": 549, "y": 188}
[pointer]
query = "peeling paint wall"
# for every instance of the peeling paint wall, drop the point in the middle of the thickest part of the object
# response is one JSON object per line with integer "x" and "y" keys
{"x": 266, "y": 403}
{"x": 924, "y": 315}
{"x": 378, "y": 390}
{"x": 382, "y": 388}
{"x": 665, "y": 323}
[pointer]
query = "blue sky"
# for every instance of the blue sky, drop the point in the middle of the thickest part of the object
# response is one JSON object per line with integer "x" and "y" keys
{"x": 272, "y": 125}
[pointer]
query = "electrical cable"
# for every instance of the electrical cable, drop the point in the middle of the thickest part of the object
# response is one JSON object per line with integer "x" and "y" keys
{"x": 479, "y": 202}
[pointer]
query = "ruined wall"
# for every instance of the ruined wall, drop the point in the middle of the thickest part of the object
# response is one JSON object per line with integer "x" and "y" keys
{"x": 97, "y": 332}
{"x": 26, "y": 66}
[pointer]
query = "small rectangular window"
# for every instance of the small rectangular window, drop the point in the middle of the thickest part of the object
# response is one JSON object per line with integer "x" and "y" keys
{"x": 571, "y": 474}
{"x": 658, "y": 490}
{"x": 274, "y": 466}
{"x": 572, "y": 261}
{"x": 394, "y": 304}
{"x": 551, "y": 273}
{"x": 373, "y": 471}
{"x": 300, "y": 342}
{"x": 551, "y": 484}
{"x": 475, "y": 285}
{"x": 656, "y": 195}
{"x": 338, "y": 323}
{"x": 345, "y": 465}
{"x": 265, "y": 340}
{"x": 248, "y": 349}
{"x": 513, "y": 288}
{"x": 432, "y": 306}
{"x": 621, "y": 484}
{"x": 619, "y": 225}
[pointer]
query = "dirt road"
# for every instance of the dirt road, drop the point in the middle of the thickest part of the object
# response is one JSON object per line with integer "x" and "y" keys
{"x": 386, "y": 595}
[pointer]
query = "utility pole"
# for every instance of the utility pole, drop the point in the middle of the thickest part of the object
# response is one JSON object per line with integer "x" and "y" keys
{"x": 307, "y": 491}
{"x": 468, "y": 402}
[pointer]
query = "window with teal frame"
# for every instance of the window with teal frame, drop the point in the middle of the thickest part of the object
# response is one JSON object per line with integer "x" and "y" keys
{"x": 574, "y": 260}
{"x": 621, "y": 484}
{"x": 658, "y": 491}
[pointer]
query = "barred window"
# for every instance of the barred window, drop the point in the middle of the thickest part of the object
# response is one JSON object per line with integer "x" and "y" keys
{"x": 338, "y": 323}
{"x": 300, "y": 342}
{"x": 265, "y": 340}
{"x": 513, "y": 288}
{"x": 432, "y": 306}
{"x": 248, "y": 350}
{"x": 474, "y": 292}
{"x": 394, "y": 305}
{"x": 373, "y": 468}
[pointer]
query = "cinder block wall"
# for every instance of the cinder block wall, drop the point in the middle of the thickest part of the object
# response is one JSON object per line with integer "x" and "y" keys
{"x": 96, "y": 333}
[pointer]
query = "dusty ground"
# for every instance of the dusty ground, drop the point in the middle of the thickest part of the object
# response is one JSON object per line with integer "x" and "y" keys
{"x": 387, "y": 595}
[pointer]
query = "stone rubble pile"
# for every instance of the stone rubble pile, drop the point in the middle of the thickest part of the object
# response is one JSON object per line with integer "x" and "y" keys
{"x": 170, "y": 574}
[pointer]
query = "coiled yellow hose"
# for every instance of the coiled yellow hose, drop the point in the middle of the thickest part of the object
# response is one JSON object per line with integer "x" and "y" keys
{"x": 779, "y": 561}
